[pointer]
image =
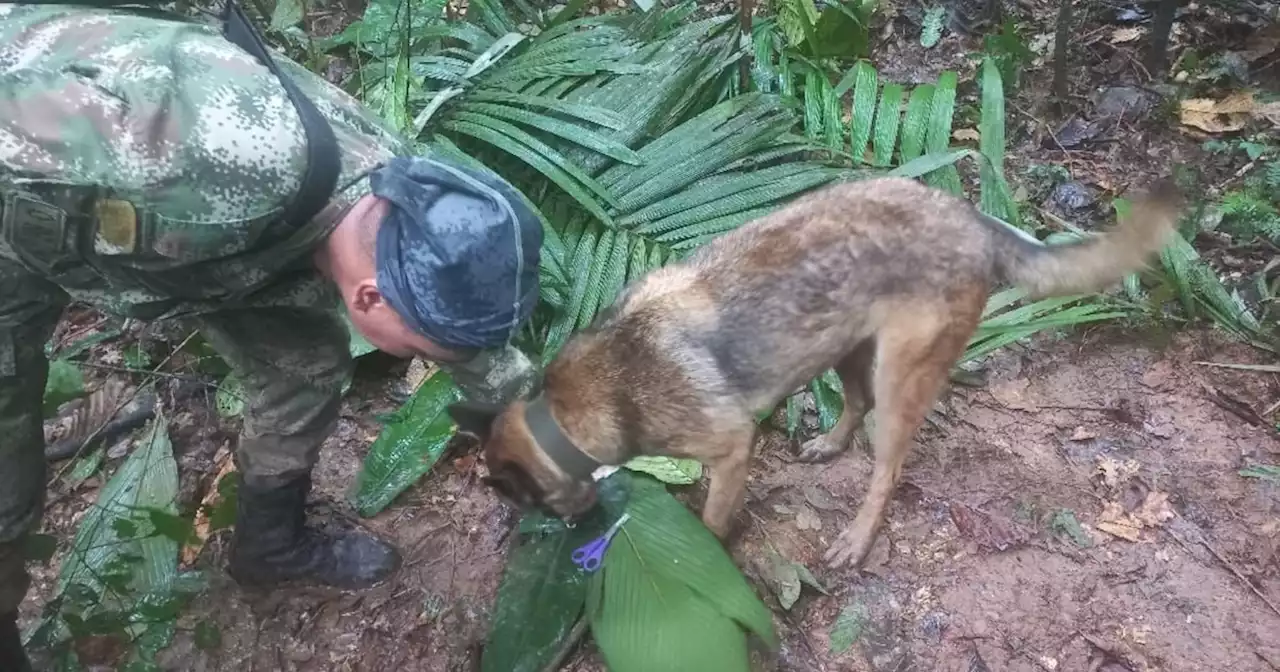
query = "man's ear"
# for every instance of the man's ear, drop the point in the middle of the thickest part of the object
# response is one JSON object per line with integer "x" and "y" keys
{"x": 474, "y": 417}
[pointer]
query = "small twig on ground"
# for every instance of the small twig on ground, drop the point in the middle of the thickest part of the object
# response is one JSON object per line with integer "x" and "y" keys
{"x": 567, "y": 646}
{"x": 124, "y": 401}
{"x": 1225, "y": 562}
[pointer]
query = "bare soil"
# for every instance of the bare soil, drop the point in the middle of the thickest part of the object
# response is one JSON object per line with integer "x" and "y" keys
{"x": 1080, "y": 509}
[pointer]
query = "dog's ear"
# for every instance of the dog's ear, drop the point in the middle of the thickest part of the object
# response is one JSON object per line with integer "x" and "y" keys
{"x": 474, "y": 418}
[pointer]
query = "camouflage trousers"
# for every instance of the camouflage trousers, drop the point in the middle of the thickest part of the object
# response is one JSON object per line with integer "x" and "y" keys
{"x": 292, "y": 362}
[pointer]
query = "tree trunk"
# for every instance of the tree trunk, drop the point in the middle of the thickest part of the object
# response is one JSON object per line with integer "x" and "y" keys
{"x": 1161, "y": 26}
{"x": 745, "y": 8}
{"x": 1062, "y": 35}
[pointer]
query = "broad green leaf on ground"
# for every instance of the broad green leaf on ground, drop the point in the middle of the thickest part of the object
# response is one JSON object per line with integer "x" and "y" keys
{"x": 539, "y": 601}
{"x": 938, "y": 134}
{"x": 828, "y": 396}
{"x": 996, "y": 200}
{"x": 85, "y": 467}
{"x": 787, "y": 577}
{"x": 668, "y": 596}
{"x": 1064, "y": 522}
{"x": 543, "y": 591}
{"x": 796, "y": 18}
{"x": 286, "y": 13}
{"x": 148, "y": 479}
{"x": 1201, "y": 292}
{"x": 848, "y": 627}
{"x": 408, "y": 446}
{"x": 1267, "y": 472}
{"x": 1003, "y": 323}
{"x": 65, "y": 382}
{"x": 931, "y": 28}
{"x": 230, "y": 397}
{"x": 674, "y": 471}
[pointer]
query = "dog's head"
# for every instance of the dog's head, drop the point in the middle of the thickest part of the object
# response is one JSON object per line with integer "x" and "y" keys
{"x": 520, "y": 470}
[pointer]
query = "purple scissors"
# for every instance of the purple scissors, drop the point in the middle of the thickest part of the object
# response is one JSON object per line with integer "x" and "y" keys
{"x": 589, "y": 556}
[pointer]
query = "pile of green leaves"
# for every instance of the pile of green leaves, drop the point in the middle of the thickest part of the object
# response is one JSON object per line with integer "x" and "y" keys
{"x": 120, "y": 578}
{"x": 667, "y": 595}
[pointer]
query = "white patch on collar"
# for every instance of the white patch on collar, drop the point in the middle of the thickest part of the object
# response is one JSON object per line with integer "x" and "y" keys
{"x": 603, "y": 472}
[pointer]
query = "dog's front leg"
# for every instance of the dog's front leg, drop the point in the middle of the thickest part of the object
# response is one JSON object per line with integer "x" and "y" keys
{"x": 728, "y": 482}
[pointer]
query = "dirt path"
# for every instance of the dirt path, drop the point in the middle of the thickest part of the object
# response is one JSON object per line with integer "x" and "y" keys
{"x": 978, "y": 566}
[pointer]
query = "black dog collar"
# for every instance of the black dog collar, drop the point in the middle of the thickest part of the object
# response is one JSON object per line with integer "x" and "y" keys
{"x": 579, "y": 465}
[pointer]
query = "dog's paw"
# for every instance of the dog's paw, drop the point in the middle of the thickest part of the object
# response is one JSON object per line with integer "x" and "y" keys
{"x": 849, "y": 549}
{"x": 820, "y": 449}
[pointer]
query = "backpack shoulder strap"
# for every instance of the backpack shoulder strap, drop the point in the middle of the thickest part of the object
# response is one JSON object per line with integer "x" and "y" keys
{"x": 323, "y": 160}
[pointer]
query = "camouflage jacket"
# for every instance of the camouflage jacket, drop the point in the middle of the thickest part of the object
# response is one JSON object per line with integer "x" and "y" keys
{"x": 145, "y": 160}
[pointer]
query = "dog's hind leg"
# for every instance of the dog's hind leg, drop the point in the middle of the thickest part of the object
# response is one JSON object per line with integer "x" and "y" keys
{"x": 915, "y": 355}
{"x": 855, "y": 372}
{"x": 729, "y": 466}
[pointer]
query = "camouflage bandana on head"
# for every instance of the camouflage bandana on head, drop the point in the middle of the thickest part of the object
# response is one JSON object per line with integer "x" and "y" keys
{"x": 457, "y": 253}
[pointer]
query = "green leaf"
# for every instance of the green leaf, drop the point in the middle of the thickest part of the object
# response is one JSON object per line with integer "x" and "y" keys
{"x": 672, "y": 597}
{"x": 136, "y": 358}
{"x": 931, "y": 28}
{"x": 795, "y": 17}
{"x": 208, "y": 637}
{"x": 39, "y": 547}
{"x": 575, "y": 133}
{"x": 848, "y": 627}
{"x": 287, "y": 13}
{"x": 839, "y": 33}
{"x": 408, "y": 446}
{"x": 537, "y": 154}
{"x": 172, "y": 526}
{"x": 539, "y": 601}
{"x": 915, "y": 125}
{"x": 109, "y": 563}
{"x": 1266, "y": 472}
{"x": 828, "y": 396}
{"x": 670, "y": 470}
{"x": 1064, "y": 522}
{"x": 938, "y": 136}
{"x": 124, "y": 528}
{"x": 991, "y": 143}
{"x": 923, "y": 165}
{"x": 85, "y": 467}
{"x": 230, "y": 398}
{"x": 888, "y": 116}
{"x": 65, "y": 382}
{"x": 864, "y": 101}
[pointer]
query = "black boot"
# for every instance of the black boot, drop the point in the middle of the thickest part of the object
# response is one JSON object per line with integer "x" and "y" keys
{"x": 271, "y": 543}
{"x": 12, "y": 657}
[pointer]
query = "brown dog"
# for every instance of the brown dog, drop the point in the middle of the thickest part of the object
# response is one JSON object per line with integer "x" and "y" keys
{"x": 886, "y": 271}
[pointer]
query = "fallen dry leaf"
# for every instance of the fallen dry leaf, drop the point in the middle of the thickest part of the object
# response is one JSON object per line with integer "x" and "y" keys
{"x": 1082, "y": 434}
{"x": 1269, "y": 111}
{"x": 1218, "y": 116}
{"x": 1116, "y": 473}
{"x": 990, "y": 532}
{"x": 967, "y": 134}
{"x": 1153, "y": 512}
{"x": 807, "y": 519}
{"x": 1122, "y": 35}
{"x": 226, "y": 465}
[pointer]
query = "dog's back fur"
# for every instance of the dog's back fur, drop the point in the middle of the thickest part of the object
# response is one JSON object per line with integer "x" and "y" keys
{"x": 760, "y": 311}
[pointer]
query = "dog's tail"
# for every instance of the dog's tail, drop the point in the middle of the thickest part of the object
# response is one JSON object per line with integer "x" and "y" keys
{"x": 1090, "y": 264}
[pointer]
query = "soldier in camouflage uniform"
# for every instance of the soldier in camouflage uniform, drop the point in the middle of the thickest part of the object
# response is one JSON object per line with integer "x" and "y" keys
{"x": 145, "y": 162}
